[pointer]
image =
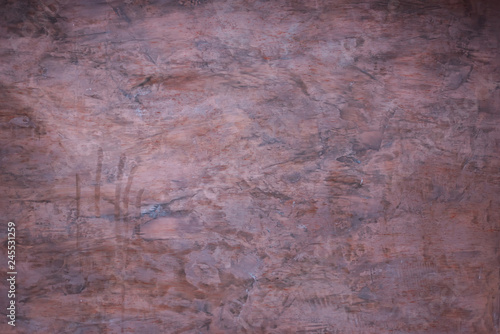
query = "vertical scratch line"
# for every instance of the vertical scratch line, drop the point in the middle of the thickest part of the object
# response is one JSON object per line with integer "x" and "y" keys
{"x": 78, "y": 195}
{"x": 127, "y": 190}
{"x": 97, "y": 195}
{"x": 118, "y": 190}
{"x": 138, "y": 202}
{"x": 78, "y": 212}
{"x": 122, "y": 248}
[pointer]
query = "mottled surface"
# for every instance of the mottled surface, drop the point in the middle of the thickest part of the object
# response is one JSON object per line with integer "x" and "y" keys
{"x": 251, "y": 166}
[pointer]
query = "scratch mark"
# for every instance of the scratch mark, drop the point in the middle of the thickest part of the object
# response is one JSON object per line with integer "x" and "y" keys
{"x": 97, "y": 194}
{"x": 286, "y": 304}
{"x": 146, "y": 81}
{"x": 148, "y": 57}
{"x": 365, "y": 73}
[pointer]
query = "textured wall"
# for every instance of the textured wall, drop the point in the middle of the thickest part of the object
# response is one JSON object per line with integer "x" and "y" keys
{"x": 251, "y": 166}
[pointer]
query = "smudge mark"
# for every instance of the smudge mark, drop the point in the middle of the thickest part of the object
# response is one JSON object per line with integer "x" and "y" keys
{"x": 23, "y": 122}
{"x": 97, "y": 194}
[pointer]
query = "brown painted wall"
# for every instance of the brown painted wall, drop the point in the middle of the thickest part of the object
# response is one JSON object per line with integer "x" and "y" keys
{"x": 251, "y": 166}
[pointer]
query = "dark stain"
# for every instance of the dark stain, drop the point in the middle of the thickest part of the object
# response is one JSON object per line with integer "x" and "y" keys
{"x": 292, "y": 178}
{"x": 74, "y": 288}
{"x": 245, "y": 235}
{"x": 30, "y": 18}
{"x": 163, "y": 210}
{"x": 266, "y": 140}
{"x": 366, "y": 294}
{"x": 22, "y": 122}
{"x": 457, "y": 75}
{"x": 301, "y": 84}
{"x": 192, "y": 3}
{"x": 73, "y": 59}
{"x": 353, "y": 114}
{"x": 490, "y": 102}
{"x": 261, "y": 194}
{"x": 342, "y": 184}
{"x": 121, "y": 166}
{"x": 481, "y": 22}
{"x": 413, "y": 7}
{"x": 385, "y": 56}
{"x": 15, "y": 114}
{"x": 348, "y": 159}
{"x": 120, "y": 12}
